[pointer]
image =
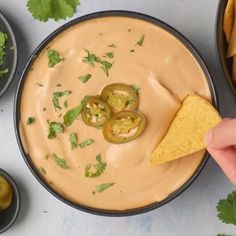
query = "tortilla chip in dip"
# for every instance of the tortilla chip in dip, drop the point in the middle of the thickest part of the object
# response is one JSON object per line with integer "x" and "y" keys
{"x": 186, "y": 132}
{"x": 229, "y": 19}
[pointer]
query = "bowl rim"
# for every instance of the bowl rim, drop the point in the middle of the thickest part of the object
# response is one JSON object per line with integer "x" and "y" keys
{"x": 15, "y": 56}
{"x": 16, "y": 107}
{"x": 221, "y": 58}
{"x": 17, "y": 199}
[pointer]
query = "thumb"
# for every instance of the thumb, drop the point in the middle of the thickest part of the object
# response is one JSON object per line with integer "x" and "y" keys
{"x": 226, "y": 158}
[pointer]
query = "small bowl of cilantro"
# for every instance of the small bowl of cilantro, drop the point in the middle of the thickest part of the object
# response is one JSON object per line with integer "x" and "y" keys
{"x": 8, "y": 54}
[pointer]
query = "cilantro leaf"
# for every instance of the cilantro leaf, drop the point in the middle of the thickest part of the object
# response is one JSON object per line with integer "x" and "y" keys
{"x": 99, "y": 168}
{"x": 73, "y": 141}
{"x": 85, "y": 78}
{"x": 106, "y": 66}
{"x": 3, "y": 72}
{"x": 86, "y": 143}
{"x": 43, "y": 10}
{"x": 54, "y": 128}
{"x": 65, "y": 104}
{"x": 109, "y": 54}
{"x": 72, "y": 114}
{"x": 101, "y": 187}
{"x": 54, "y": 58}
{"x": 60, "y": 162}
{"x": 56, "y": 96}
{"x": 227, "y": 209}
{"x": 42, "y": 170}
{"x": 141, "y": 40}
{"x": 30, "y": 120}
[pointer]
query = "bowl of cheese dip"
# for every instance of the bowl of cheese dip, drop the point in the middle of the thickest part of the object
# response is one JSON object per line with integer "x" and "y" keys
{"x": 72, "y": 160}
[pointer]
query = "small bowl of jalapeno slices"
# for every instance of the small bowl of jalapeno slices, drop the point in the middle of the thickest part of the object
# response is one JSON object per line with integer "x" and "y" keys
{"x": 9, "y": 201}
{"x": 115, "y": 111}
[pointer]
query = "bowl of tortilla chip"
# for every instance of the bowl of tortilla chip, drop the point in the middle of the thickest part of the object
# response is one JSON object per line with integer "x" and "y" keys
{"x": 225, "y": 36}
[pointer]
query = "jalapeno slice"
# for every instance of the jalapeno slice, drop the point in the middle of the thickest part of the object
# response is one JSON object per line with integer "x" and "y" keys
{"x": 95, "y": 112}
{"x": 120, "y": 97}
{"x": 124, "y": 126}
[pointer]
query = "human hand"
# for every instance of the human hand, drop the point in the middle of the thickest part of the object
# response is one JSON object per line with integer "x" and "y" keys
{"x": 221, "y": 144}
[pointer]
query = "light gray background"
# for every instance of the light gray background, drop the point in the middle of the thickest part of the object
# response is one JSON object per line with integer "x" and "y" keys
{"x": 192, "y": 213}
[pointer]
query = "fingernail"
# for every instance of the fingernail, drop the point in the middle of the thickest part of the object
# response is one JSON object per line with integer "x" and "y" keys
{"x": 208, "y": 137}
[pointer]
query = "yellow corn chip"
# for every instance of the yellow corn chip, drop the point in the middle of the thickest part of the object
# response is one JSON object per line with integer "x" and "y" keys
{"x": 229, "y": 19}
{"x": 186, "y": 132}
{"x": 232, "y": 40}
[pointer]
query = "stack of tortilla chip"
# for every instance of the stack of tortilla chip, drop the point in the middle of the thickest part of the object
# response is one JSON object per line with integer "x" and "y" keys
{"x": 230, "y": 33}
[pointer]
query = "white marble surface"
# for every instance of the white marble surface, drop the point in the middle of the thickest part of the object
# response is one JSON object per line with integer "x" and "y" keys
{"x": 192, "y": 213}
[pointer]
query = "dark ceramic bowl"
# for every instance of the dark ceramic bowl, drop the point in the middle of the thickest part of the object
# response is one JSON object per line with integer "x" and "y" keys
{"x": 8, "y": 216}
{"x": 10, "y": 59}
{"x": 18, "y": 101}
{"x": 221, "y": 48}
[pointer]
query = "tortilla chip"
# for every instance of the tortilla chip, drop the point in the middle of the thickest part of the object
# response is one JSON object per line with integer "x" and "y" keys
{"x": 186, "y": 132}
{"x": 232, "y": 40}
{"x": 234, "y": 69}
{"x": 229, "y": 19}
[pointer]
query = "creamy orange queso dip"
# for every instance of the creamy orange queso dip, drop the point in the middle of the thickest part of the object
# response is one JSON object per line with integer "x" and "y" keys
{"x": 165, "y": 71}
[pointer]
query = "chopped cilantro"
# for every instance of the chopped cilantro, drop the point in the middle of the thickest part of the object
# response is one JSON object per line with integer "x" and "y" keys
{"x": 54, "y": 58}
{"x": 65, "y": 104}
{"x": 56, "y": 96}
{"x": 73, "y": 141}
{"x": 90, "y": 59}
{"x": 141, "y": 40}
{"x": 30, "y": 120}
{"x": 85, "y": 78}
{"x": 86, "y": 143}
{"x": 109, "y": 54}
{"x": 42, "y": 170}
{"x": 60, "y": 162}
{"x": 72, "y": 114}
{"x": 101, "y": 187}
{"x": 54, "y": 128}
{"x": 3, "y": 40}
{"x": 99, "y": 168}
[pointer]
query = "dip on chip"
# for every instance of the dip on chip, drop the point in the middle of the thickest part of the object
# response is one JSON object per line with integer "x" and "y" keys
{"x": 186, "y": 132}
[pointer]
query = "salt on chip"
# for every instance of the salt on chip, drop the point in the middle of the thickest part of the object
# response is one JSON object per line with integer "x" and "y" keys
{"x": 186, "y": 132}
{"x": 229, "y": 16}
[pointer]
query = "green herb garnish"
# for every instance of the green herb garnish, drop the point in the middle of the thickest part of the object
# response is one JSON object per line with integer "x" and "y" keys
{"x": 109, "y": 54}
{"x": 99, "y": 168}
{"x": 60, "y": 162}
{"x": 227, "y": 209}
{"x": 91, "y": 59}
{"x": 42, "y": 170}
{"x": 65, "y": 104}
{"x": 54, "y": 129}
{"x": 56, "y": 9}
{"x": 3, "y": 40}
{"x": 86, "y": 143}
{"x": 72, "y": 114}
{"x": 30, "y": 120}
{"x": 101, "y": 187}
{"x": 56, "y": 96}
{"x": 85, "y": 78}
{"x": 140, "y": 42}
{"x": 73, "y": 141}
{"x": 54, "y": 58}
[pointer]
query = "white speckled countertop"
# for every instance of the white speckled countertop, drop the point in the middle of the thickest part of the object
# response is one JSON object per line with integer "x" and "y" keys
{"x": 193, "y": 213}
